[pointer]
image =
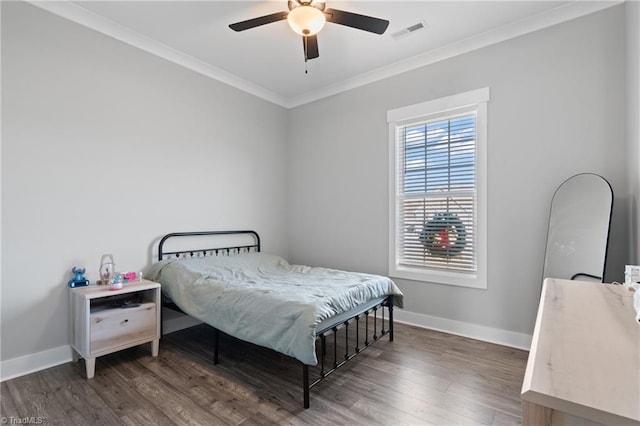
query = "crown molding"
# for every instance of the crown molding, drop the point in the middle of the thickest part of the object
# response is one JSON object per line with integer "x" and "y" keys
{"x": 551, "y": 17}
{"x": 82, "y": 16}
{"x": 563, "y": 13}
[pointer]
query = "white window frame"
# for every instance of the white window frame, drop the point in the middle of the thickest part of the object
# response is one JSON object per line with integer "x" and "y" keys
{"x": 474, "y": 100}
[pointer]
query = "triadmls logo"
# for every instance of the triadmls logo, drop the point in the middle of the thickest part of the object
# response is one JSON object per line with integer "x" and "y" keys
{"x": 29, "y": 420}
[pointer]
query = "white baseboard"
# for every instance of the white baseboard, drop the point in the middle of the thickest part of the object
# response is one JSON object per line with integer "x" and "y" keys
{"x": 20, "y": 366}
{"x": 473, "y": 331}
{"x": 23, "y": 365}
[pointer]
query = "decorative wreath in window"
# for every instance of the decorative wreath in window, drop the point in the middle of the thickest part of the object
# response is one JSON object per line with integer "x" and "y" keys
{"x": 444, "y": 235}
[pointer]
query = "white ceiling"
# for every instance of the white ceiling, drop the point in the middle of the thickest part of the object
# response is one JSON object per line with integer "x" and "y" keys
{"x": 268, "y": 61}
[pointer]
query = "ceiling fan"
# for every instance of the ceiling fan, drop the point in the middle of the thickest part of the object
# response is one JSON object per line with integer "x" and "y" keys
{"x": 307, "y": 18}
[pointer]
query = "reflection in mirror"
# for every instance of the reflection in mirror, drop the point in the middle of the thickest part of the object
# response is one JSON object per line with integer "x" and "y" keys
{"x": 579, "y": 229}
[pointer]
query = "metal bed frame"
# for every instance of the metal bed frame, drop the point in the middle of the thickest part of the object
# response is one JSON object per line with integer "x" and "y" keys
{"x": 327, "y": 364}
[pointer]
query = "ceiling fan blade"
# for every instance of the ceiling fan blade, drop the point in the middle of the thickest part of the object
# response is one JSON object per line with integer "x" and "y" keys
{"x": 256, "y": 22}
{"x": 354, "y": 20}
{"x": 310, "y": 45}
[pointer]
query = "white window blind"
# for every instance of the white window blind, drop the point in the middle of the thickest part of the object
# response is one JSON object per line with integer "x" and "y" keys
{"x": 436, "y": 230}
{"x": 438, "y": 192}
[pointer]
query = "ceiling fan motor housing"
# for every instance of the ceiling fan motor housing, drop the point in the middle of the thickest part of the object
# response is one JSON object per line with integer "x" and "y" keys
{"x": 318, "y": 4}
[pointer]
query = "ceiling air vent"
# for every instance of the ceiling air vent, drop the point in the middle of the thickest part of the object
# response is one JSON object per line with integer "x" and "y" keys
{"x": 409, "y": 30}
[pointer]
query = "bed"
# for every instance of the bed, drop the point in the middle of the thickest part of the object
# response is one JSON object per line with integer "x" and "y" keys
{"x": 262, "y": 299}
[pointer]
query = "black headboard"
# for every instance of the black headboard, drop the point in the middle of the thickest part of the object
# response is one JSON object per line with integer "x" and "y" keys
{"x": 215, "y": 251}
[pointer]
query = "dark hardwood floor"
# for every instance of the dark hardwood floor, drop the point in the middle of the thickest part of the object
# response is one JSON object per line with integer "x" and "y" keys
{"x": 423, "y": 377}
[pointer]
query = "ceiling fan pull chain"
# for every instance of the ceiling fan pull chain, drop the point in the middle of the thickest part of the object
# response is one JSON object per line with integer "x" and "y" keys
{"x": 306, "y": 69}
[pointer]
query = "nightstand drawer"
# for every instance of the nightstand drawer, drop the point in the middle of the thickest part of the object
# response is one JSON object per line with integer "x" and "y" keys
{"x": 111, "y": 328}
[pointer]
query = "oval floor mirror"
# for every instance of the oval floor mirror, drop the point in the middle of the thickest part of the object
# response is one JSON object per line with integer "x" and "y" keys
{"x": 578, "y": 232}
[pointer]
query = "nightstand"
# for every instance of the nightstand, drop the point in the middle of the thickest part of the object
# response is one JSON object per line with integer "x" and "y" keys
{"x": 106, "y": 321}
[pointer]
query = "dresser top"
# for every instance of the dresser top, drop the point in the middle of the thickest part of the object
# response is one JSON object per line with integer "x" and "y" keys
{"x": 585, "y": 353}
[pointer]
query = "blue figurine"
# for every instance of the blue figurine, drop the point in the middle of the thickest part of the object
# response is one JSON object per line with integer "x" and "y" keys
{"x": 78, "y": 280}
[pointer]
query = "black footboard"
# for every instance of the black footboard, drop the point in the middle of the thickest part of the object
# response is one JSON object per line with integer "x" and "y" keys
{"x": 342, "y": 342}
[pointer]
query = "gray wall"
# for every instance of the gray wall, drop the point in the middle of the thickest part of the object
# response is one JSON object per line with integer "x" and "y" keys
{"x": 104, "y": 149}
{"x": 632, "y": 13}
{"x": 557, "y": 108}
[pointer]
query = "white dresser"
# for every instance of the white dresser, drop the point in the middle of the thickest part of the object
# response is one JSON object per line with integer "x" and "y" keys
{"x": 584, "y": 363}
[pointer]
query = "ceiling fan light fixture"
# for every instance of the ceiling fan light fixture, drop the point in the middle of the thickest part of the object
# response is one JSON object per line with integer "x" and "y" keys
{"x": 306, "y": 20}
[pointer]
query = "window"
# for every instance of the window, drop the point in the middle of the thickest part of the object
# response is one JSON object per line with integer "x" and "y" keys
{"x": 437, "y": 190}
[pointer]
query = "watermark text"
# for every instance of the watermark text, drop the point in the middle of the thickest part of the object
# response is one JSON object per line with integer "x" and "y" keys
{"x": 28, "y": 420}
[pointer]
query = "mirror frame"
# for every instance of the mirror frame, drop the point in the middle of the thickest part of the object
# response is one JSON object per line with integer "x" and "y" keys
{"x": 606, "y": 243}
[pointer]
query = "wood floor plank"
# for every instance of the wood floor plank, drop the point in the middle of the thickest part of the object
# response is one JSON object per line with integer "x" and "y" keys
{"x": 499, "y": 402}
{"x": 428, "y": 404}
{"x": 503, "y": 419}
{"x": 417, "y": 374}
{"x": 143, "y": 417}
{"x": 216, "y": 383}
{"x": 79, "y": 401}
{"x": 216, "y": 395}
{"x": 173, "y": 403}
{"x": 36, "y": 399}
{"x": 7, "y": 405}
{"x": 115, "y": 389}
{"x": 426, "y": 397}
{"x": 423, "y": 377}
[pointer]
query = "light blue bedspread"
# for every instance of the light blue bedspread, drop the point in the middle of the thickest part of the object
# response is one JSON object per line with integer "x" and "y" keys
{"x": 262, "y": 299}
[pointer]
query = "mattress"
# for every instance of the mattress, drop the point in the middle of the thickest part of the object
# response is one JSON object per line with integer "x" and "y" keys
{"x": 262, "y": 299}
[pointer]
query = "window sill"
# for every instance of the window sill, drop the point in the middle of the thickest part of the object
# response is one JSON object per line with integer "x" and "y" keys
{"x": 447, "y": 278}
